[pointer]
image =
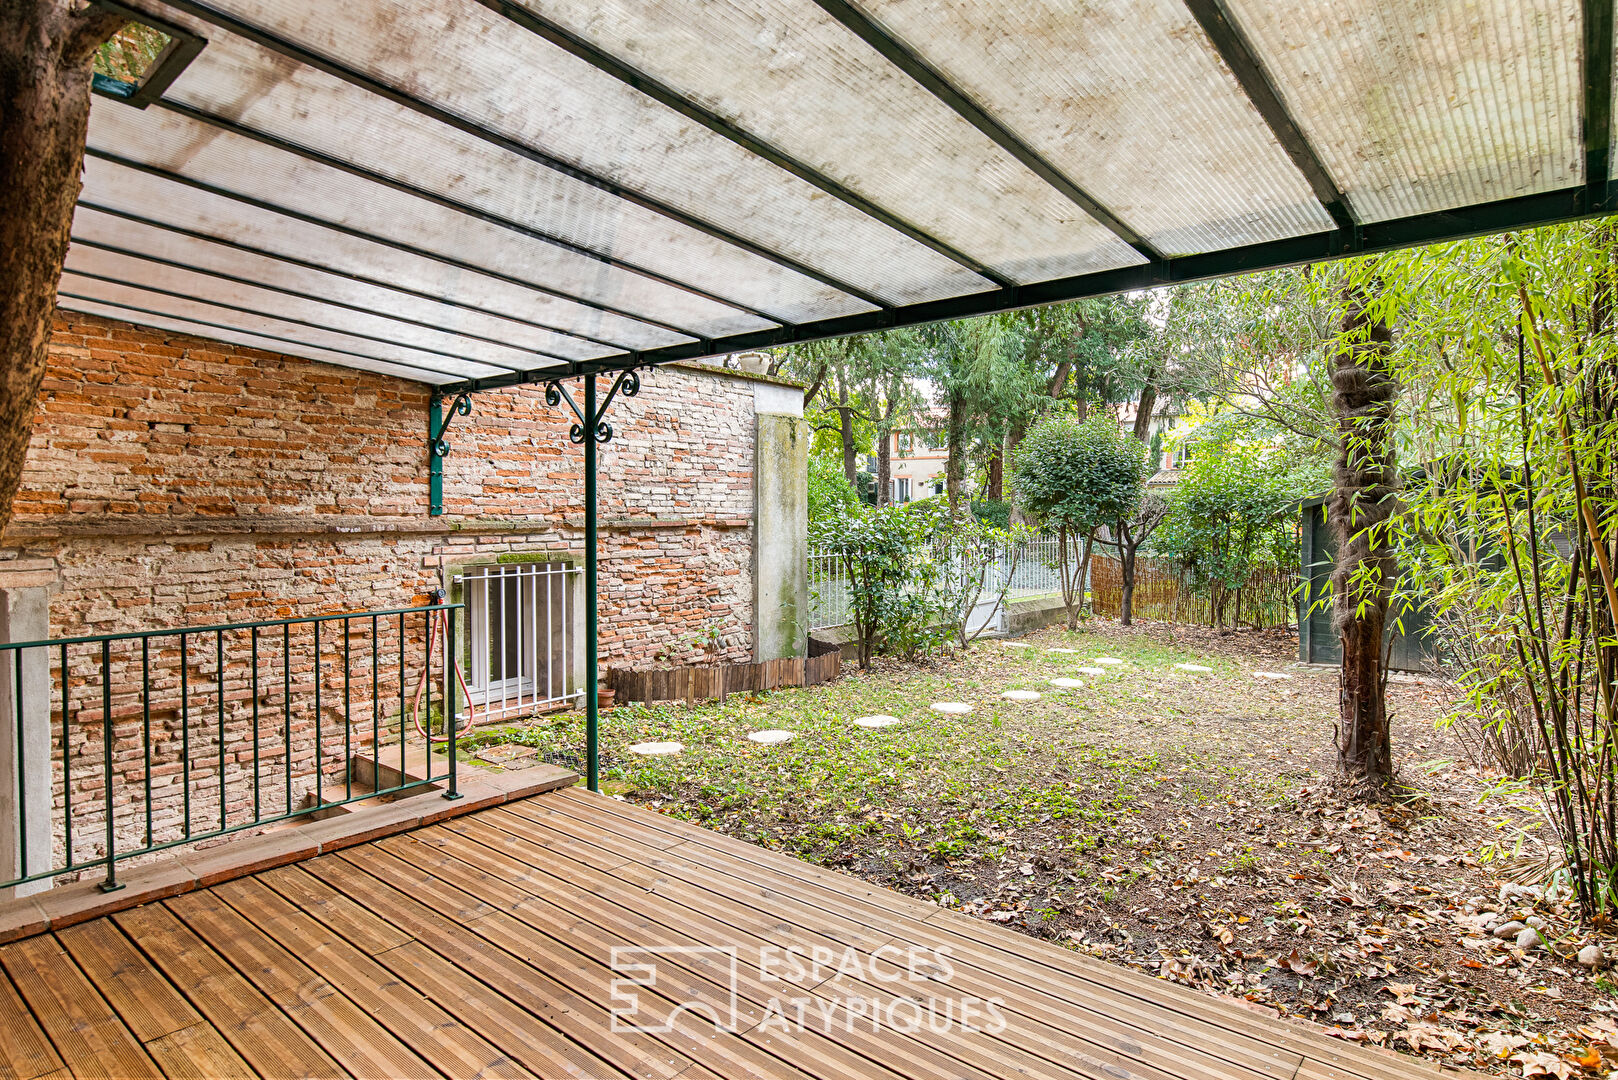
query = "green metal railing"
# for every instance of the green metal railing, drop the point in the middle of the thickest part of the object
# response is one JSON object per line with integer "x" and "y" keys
{"x": 147, "y": 729}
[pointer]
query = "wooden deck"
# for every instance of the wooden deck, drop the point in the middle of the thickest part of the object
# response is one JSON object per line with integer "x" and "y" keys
{"x": 483, "y": 946}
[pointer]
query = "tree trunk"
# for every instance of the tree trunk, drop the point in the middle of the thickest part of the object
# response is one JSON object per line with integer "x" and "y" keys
{"x": 1364, "y": 497}
{"x": 1084, "y": 580}
{"x": 1058, "y": 381}
{"x": 996, "y": 487}
{"x": 955, "y": 462}
{"x": 45, "y": 53}
{"x": 1014, "y": 438}
{"x": 845, "y": 431}
{"x": 1126, "y": 569}
{"x": 1143, "y": 411}
{"x": 884, "y": 468}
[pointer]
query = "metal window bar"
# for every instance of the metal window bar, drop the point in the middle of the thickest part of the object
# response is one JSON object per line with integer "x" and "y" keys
{"x": 517, "y": 648}
{"x": 137, "y": 685}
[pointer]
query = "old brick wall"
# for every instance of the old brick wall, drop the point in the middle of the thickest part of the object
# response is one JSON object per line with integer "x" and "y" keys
{"x": 176, "y": 481}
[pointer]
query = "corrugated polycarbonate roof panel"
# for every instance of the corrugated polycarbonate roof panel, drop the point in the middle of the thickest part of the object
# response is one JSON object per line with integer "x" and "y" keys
{"x": 1130, "y": 100}
{"x": 114, "y": 267}
{"x": 272, "y": 328}
{"x": 488, "y": 188}
{"x": 1423, "y": 105}
{"x": 786, "y": 72}
{"x": 234, "y": 163}
{"x": 525, "y": 89}
{"x": 127, "y": 190}
{"x": 235, "y": 336}
{"x": 94, "y": 230}
{"x": 398, "y": 144}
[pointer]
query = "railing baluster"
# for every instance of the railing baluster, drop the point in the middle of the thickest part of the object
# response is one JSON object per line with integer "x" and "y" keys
{"x": 320, "y": 746}
{"x": 348, "y": 722}
{"x": 402, "y": 771}
{"x": 449, "y": 699}
{"x": 376, "y": 708}
{"x": 219, "y": 692}
{"x": 67, "y": 768}
{"x": 286, "y": 705}
{"x": 427, "y": 685}
{"x": 22, "y": 766}
{"x": 146, "y": 727}
{"x": 106, "y": 767}
{"x": 252, "y": 686}
{"x": 185, "y": 736}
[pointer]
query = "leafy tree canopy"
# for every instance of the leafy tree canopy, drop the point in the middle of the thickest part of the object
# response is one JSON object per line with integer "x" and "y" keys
{"x": 1079, "y": 475}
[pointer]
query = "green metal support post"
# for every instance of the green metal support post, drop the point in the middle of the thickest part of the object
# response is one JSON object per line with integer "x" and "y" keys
{"x": 592, "y": 705}
{"x": 435, "y": 460}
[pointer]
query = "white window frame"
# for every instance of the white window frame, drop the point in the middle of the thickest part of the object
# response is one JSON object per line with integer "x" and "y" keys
{"x": 541, "y": 639}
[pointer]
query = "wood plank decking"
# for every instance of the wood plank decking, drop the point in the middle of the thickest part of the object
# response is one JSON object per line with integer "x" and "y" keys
{"x": 483, "y": 946}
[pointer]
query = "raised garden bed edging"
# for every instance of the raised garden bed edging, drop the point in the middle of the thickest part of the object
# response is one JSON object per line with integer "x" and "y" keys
{"x": 721, "y": 680}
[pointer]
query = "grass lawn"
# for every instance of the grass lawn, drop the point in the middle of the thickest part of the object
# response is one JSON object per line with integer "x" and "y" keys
{"x": 1181, "y": 823}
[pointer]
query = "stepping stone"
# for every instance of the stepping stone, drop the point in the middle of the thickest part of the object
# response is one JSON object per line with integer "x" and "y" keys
{"x": 656, "y": 749}
{"x": 1198, "y": 668}
{"x": 1108, "y": 661}
{"x": 1022, "y": 695}
{"x": 1015, "y": 645}
{"x": 951, "y": 708}
{"x": 1072, "y": 651}
{"x": 877, "y": 721}
{"x": 1068, "y": 684}
{"x": 1271, "y": 675}
{"x": 1092, "y": 671}
{"x": 771, "y": 737}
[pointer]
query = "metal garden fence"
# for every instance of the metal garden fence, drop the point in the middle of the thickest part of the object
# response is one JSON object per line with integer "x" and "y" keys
{"x": 1031, "y": 564}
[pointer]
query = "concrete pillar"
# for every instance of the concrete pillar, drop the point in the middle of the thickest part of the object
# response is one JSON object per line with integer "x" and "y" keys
{"x": 780, "y": 523}
{"x": 25, "y": 616}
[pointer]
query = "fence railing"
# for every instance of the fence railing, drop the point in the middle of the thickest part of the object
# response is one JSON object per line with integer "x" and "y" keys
{"x": 138, "y": 742}
{"x": 1031, "y": 565}
{"x": 1163, "y": 591}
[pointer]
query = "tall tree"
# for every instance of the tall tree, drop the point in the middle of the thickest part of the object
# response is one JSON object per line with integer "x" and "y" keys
{"x": 1074, "y": 477}
{"x": 1082, "y": 352}
{"x": 46, "y": 49}
{"x": 859, "y": 389}
{"x": 982, "y": 384}
{"x": 1365, "y": 485}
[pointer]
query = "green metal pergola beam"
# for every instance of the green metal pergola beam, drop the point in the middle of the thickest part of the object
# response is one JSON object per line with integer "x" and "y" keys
{"x": 1239, "y": 55}
{"x": 1505, "y": 215}
{"x": 1598, "y": 48}
{"x": 388, "y": 92}
{"x": 666, "y": 95}
{"x": 933, "y": 81}
{"x": 455, "y": 206}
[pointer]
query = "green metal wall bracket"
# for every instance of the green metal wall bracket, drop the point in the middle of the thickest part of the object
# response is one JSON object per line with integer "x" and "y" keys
{"x": 438, "y": 447}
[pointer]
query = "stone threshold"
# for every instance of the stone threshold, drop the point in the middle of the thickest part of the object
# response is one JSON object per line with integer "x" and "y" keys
{"x": 172, "y": 875}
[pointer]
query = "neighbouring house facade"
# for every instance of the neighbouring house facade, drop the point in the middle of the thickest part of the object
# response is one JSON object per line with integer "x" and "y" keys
{"x": 175, "y": 481}
{"x": 917, "y": 465}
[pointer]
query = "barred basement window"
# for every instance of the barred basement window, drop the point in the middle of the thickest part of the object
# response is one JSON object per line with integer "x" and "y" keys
{"x": 520, "y": 637}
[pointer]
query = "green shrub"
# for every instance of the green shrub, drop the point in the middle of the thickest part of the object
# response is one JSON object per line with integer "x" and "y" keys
{"x": 830, "y": 493}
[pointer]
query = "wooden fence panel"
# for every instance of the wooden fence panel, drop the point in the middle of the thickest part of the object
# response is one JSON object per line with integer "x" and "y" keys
{"x": 1162, "y": 592}
{"x": 722, "y": 680}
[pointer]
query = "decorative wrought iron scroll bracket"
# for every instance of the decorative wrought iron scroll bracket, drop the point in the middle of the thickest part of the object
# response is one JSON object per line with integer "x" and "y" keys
{"x": 438, "y": 422}
{"x": 627, "y": 382}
